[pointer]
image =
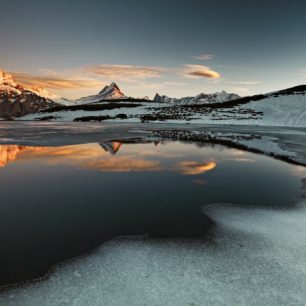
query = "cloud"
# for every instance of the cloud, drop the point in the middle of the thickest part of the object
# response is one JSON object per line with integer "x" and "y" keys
{"x": 206, "y": 74}
{"x": 199, "y": 71}
{"x": 55, "y": 82}
{"x": 125, "y": 72}
{"x": 244, "y": 82}
{"x": 90, "y": 77}
{"x": 204, "y": 57}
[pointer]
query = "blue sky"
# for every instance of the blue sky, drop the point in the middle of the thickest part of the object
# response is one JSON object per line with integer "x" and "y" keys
{"x": 177, "y": 48}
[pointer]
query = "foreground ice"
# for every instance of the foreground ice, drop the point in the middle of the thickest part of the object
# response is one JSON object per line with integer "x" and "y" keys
{"x": 253, "y": 256}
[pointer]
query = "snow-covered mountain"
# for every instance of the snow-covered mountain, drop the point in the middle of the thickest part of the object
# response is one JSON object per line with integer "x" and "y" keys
{"x": 16, "y": 100}
{"x": 109, "y": 92}
{"x": 44, "y": 93}
{"x": 202, "y": 98}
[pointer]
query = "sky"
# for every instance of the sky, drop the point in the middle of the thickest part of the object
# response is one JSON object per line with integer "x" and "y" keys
{"x": 178, "y": 48}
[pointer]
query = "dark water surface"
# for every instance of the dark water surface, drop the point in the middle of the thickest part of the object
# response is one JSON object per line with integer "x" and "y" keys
{"x": 59, "y": 202}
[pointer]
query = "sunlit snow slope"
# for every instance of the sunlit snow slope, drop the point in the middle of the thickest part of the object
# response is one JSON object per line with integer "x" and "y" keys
{"x": 282, "y": 108}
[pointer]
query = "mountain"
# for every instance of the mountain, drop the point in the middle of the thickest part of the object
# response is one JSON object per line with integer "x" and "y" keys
{"x": 202, "y": 98}
{"x": 44, "y": 93}
{"x": 10, "y": 153}
{"x": 109, "y": 92}
{"x": 17, "y": 101}
{"x": 163, "y": 99}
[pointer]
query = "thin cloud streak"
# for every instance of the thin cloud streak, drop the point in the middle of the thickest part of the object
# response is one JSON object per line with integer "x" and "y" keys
{"x": 55, "y": 82}
{"x": 204, "y": 57}
{"x": 244, "y": 82}
{"x": 125, "y": 72}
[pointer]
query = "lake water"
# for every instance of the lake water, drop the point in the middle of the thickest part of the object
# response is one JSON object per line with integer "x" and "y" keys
{"x": 60, "y": 202}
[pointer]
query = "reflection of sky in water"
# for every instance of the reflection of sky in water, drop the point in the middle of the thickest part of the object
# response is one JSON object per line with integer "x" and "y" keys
{"x": 57, "y": 202}
{"x": 218, "y": 169}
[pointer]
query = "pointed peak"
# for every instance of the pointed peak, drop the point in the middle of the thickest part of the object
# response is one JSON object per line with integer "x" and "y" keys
{"x": 157, "y": 97}
{"x": 113, "y": 85}
{"x": 111, "y": 91}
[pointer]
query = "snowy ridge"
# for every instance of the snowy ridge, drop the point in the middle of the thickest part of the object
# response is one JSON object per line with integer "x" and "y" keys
{"x": 281, "y": 108}
{"x": 202, "y": 98}
{"x": 44, "y": 93}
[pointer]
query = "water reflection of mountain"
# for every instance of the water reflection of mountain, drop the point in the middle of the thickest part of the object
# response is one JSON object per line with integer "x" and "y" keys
{"x": 10, "y": 153}
{"x": 101, "y": 157}
{"x": 112, "y": 147}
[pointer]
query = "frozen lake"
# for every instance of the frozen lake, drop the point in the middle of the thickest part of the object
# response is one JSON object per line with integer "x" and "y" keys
{"x": 175, "y": 222}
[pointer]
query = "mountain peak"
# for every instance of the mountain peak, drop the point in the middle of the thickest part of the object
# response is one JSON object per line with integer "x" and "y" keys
{"x": 7, "y": 79}
{"x": 111, "y": 91}
{"x": 114, "y": 85}
{"x": 157, "y": 97}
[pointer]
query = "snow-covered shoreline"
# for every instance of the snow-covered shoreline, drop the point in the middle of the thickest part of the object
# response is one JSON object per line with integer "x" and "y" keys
{"x": 287, "y": 110}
